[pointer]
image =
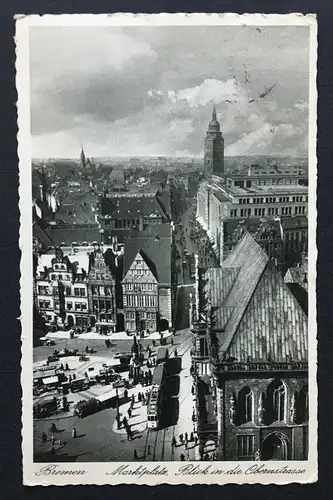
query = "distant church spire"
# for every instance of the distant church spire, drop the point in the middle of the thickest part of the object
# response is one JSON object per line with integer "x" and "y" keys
{"x": 82, "y": 157}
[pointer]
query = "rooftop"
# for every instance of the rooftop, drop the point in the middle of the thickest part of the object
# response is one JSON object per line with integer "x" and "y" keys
{"x": 254, "y": 314}
{"x": 68, "y": 234}
{"x": 155, "y": 244}
{"x": 79, "y": 261}
{"x": 294, "y": 222}
{"x": 266, "y": 190}
{"x": 265, "y": 226}
{"x": 147, "y": 205}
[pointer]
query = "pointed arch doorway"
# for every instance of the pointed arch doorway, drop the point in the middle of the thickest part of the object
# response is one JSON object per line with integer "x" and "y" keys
{"x": 275, "y": 447}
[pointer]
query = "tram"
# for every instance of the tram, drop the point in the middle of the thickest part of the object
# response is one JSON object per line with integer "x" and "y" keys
{"x": 162, "y": 355}
{"x": 156, "y": 397}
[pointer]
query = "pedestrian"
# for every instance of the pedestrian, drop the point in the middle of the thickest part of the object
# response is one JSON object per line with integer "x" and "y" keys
{"x": 182, "y": 457}
{"x": 129, "y": 411}
{"x": 191, "y": 437}
{"x": 74, "y": 376}
{"x": 181, "y": 438}
{"x": 118, "y": 422}
{"x": 126, "y": 393}
{"x": 174, "y": 441}
{"x": 53, "y": 439}
{"x": 148, "y": 450}
{"x": 53, "y": 427}
{"x": 74, "y": 433}
{"x": 192, "y": 390}
{"x": 125, "y": 422}
{"x": 44, "y": 437}
{"x": 186, "y": 437}
{"x": 133, "y": 399}
{"x": 66, "y": 367}
{"x": 139, "y": 397}
{"x": 135, "y": 455}
{"x": 62, "y": 367}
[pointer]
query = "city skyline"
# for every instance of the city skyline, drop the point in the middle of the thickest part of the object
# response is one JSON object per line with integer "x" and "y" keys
{"x": 179, "y": 74}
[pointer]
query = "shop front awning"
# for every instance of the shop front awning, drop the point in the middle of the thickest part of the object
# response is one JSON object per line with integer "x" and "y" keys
{"x": 50, "y": 380}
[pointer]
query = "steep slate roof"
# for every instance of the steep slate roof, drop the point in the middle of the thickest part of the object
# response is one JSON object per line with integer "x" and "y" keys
{"x": 257, "y": 315}
{"x": 70, "y": 234}
{"x": 39, "y": 233}
{"x": 155, "y": 245}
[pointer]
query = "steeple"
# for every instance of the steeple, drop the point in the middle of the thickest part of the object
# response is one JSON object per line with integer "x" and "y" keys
{"x": 214, "y": 114}
{"x": 214, "y": 148}
{"x": 82, "y": 157}
{"x": 214, "y": 125}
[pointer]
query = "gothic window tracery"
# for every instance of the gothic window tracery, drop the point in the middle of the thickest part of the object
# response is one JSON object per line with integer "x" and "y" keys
{"x": 245, "y": 406}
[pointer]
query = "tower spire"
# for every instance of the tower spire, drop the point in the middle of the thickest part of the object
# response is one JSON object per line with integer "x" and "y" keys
{"x": 82, "y": 157}
{"x": 214, "y": 113}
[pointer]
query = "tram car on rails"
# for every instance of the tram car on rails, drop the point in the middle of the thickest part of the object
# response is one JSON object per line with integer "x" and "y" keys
{"x": 156, "y": 397}
{"x": 162, "y": 355}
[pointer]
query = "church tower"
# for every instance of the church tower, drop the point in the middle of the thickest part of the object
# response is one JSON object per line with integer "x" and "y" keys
{"x": 214, "y": 149}
{"x": 83, "y": 161}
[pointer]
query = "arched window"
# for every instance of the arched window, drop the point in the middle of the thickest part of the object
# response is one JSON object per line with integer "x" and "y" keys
{"x": 276, "y": 396}
{"x": 302, "y": 406}
{"x": 245, "y": 406}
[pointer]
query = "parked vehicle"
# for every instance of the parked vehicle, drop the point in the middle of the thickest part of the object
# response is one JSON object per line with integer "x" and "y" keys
{"x": 86, "y": 407}
{"x": 53, "y": 358}
{"x": 45, "y": 408}
{"x": 80, "y": 384}
{"x": 67, "y": 352}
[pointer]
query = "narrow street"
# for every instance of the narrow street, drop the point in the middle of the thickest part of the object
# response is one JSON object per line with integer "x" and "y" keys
{"x": 177, "y": 410}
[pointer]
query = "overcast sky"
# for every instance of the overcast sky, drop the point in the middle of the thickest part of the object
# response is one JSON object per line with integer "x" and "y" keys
{"x": 150, "y": 91}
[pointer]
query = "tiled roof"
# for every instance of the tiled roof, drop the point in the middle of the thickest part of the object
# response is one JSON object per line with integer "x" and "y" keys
{"x": 253, "y": 311}
{"x": 70, "y": 234}
{"x": 132, "y": 207}
{"x": 41, "y": 235}
{"x": 294, "y": 222}
{"x": 255, "y": 226}
{"x": 274, "y": 325}
{"x": 155, "y": 244}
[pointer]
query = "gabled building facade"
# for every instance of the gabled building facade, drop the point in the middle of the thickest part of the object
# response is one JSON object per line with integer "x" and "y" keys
{"x": 61, "y": 289}
{"x": 146, "y": 284}
{"x": 140, "y": 296}
{"x": 102, "y": 295}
